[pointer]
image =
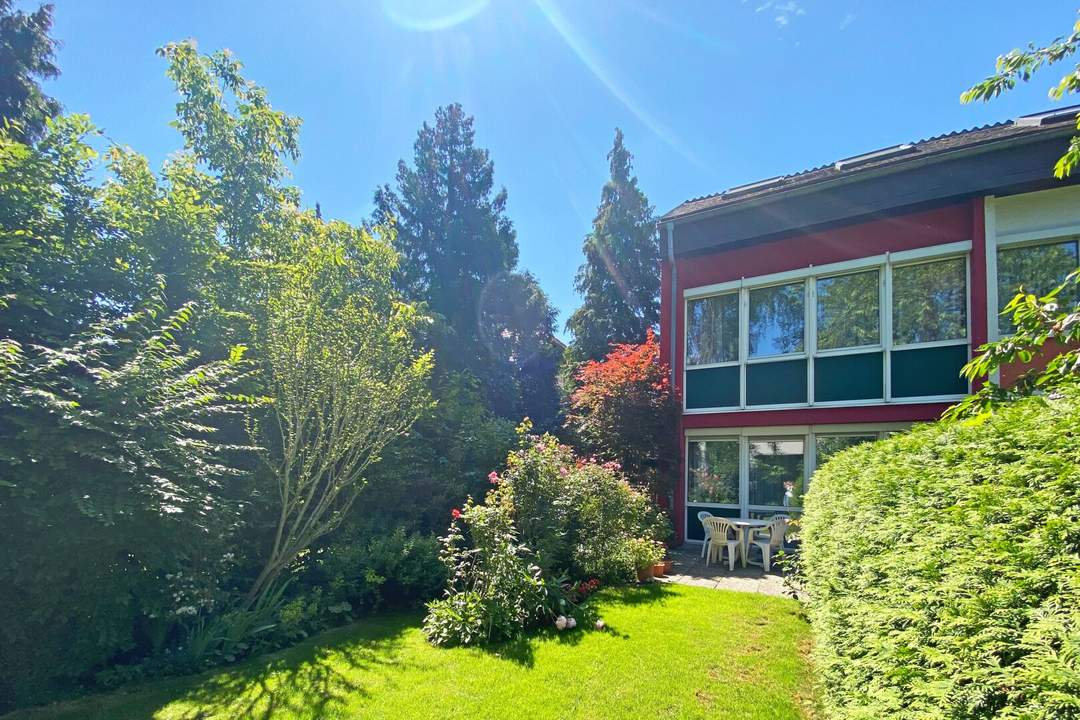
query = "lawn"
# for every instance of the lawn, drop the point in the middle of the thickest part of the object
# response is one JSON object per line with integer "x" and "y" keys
{"x": 670, "y": 652}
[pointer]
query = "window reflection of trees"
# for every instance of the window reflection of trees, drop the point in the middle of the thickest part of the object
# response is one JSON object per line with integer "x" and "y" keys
{"x": 777, "y": 320}
{"x": 829, "y": 445}
{"x": 1036, "y": 269}
{"x": 712, "y": 330}
{"x": 714, "y": 472}
{"x": 930, "y": 301}
{"x": 776, "y": 472}
{"x": 848, "y": 311}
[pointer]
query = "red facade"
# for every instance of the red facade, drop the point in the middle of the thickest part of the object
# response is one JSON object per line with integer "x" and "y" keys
{"x": 959, "y": 222}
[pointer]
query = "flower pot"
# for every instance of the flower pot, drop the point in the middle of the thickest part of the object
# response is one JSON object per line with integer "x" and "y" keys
{"x": 658, "y": 570}
{"x": 644, "y": 574}
{"x": 668, "y": 564}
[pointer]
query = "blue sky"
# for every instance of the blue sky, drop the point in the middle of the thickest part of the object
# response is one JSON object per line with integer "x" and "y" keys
{"x": 709, "y": 94}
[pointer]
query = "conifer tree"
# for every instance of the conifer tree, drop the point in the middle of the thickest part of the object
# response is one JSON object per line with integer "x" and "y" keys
{"x": 620, "y": 278}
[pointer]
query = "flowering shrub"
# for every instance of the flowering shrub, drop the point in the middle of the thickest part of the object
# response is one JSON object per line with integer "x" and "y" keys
{"x": 551, "y": 529}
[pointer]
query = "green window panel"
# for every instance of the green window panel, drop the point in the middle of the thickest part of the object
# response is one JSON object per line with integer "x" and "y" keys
{"x": 776, "y": 383}
{"x": 923, "y": 372}
{"x": 712, "y": 387}
{"x": 848, "y": 377}
{"x": 694, "y": 531}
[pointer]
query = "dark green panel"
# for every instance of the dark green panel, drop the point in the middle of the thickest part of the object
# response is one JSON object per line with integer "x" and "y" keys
{"x": 776, "y": 383}
{"x": 929, "y": 371}
{"x": 848, "y": 377}
{"x": 712, "y": 387}
{"x": 694, "y": 531}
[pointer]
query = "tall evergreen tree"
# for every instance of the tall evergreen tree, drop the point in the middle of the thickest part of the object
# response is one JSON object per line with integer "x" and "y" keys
{"x": 620, "y": 279}
{"x": 27, "y": 55}
{"x": 458, "y": 255}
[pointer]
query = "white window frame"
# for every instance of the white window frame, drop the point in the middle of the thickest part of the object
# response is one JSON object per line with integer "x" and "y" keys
{"x": 807, "y": 433}
{"x": 992, "y": 296}
{"x": 884, "y": 263}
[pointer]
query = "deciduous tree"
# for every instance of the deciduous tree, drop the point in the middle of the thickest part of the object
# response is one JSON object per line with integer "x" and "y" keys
{"x": 1022, "y": 65}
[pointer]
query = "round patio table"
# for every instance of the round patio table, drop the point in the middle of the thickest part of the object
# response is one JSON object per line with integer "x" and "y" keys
{"x": 748, "y": 525}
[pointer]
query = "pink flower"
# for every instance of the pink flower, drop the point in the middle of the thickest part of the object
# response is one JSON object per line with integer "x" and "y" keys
{"x": 493, "y": 477}
{"x": 455, "y": 513}
{"x": 564, "y": 471}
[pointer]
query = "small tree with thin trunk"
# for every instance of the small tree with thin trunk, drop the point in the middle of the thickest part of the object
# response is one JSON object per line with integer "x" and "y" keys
{"x": 346, "y": 380}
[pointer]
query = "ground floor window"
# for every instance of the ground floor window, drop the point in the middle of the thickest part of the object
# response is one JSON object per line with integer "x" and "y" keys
{"x": 759, "y": 472}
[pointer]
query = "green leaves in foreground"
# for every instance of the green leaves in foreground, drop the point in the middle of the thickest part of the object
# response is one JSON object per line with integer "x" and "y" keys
{"x": 943, "y": 569}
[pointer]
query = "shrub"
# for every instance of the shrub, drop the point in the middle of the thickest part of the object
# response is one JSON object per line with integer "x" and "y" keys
{"x": 493, "y": 591}
{"x": 623, "y": 410}
{"x": 551, "y": 523}
{"x": 943, "y": 569}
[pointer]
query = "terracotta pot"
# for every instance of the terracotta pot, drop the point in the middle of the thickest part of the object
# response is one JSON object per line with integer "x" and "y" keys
{"x": 645, "y": 574}
{"x": 658, "y": 570}
{"x": 668, "y": 564}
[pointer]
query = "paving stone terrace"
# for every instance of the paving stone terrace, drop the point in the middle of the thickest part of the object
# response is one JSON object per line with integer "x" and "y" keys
{"x": 690, "y": 569}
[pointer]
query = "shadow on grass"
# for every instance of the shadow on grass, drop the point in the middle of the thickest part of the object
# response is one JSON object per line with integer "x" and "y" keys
{"x": 317, "y": 677}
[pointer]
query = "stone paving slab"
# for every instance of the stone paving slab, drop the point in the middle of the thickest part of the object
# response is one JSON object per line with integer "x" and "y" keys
{"x": 690, "y": 569}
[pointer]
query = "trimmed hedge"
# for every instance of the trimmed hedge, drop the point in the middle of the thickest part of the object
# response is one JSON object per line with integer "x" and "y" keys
{"x": 943, "y": 569}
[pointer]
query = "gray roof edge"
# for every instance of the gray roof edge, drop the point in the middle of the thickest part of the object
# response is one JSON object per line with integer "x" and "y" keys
{"x": 906, "y": 162}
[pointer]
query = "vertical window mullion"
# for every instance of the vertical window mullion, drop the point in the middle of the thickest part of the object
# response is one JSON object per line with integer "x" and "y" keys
{"x": 744, "y": 341}
{"x": 744, "y": 476}
{"x": 886, "y": 327}
{"x": 810, "y": 337}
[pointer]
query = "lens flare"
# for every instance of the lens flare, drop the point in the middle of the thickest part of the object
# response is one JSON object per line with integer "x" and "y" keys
{"x": 432, "y": 15}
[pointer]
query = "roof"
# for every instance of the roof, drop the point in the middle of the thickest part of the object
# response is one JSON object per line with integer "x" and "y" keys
{"x": 897, "y": 155}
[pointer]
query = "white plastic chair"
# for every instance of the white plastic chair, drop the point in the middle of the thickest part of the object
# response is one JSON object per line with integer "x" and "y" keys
{"x": 701, "y": 519}
{"x": 770, "y": 539}
{"x": 722, "y": 534}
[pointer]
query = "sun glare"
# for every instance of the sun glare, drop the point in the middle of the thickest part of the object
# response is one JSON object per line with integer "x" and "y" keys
{"x": 432, "y": 15}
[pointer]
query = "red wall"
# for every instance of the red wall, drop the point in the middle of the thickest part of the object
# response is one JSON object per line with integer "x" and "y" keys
{"x": 926, "y": 228}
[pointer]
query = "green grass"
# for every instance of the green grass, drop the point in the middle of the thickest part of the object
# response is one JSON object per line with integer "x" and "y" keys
{"x": 669, "y": 652}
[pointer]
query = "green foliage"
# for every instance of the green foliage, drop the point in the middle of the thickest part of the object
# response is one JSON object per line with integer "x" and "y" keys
{"x": 369, "y": 568}
{"x": 345, "y": 379}
{"x": 551, "y": 521}
{"x": 1022, "y": 65}
{"x": 942, "y": 568}
{"x": 441, "y": 461}
{"x": 623, "y": 410}
{"x": 1046, "y": 329}
{"x": 459, "y": 253}
{"x": 118, "y": 497}
{"x": 493, "y": 591}
{"x": 230, "y": 127}
{"x": 620, "y": 279}
{"x": 27, "y": 55}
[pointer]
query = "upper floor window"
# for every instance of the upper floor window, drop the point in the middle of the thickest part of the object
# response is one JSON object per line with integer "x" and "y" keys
{"x": 930, "y": 302}
{"x": 777, "y": 320}
{"x": 712, "y": 330}
{"x": 848, "y": 310}
{"x": 1035, "y": 269}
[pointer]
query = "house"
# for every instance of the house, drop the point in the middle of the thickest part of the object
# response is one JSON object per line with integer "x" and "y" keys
{"x": 806, "y": 313}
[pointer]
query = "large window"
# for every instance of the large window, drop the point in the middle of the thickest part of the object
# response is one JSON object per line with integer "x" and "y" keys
{"x": 1036, "y": 269}
{"x": 712, "y": 330}
{"x": 713, "y": 472}
{"x": 930, "y": 302}
{"x": 776, "y": 472}
{"x": 848, "y": 310}
{"x": 889, "y": 328}
{"x": 755, "y": 472}
{"x": 777, "y": 320}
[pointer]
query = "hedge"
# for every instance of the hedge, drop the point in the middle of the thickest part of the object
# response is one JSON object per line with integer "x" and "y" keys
{"x": 943, "y": 569}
